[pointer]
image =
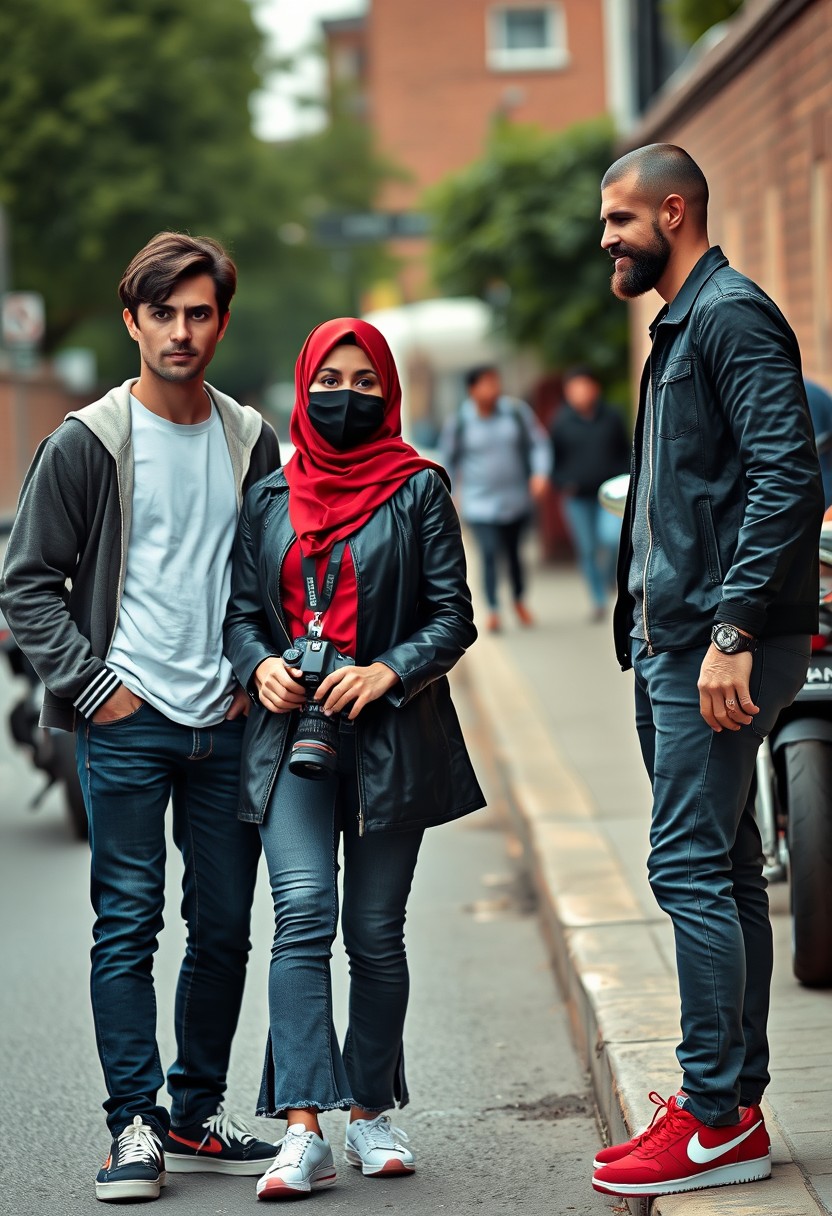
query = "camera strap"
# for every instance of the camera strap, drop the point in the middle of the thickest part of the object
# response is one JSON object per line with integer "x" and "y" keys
{"x": 318, "y": 598}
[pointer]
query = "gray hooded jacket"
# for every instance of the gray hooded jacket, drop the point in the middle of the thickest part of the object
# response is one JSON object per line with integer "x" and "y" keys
{"x": 65, "y": 563}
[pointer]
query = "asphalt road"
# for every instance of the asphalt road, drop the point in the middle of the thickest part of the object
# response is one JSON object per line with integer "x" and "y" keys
{"x": 500, "y": 1117}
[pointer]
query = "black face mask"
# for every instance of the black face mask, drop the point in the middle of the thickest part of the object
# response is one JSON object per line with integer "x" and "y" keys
{"x": 345, "y": 418}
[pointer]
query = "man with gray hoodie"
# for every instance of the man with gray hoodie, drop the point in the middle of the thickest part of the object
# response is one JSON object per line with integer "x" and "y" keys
{"x": 115, "y": 585}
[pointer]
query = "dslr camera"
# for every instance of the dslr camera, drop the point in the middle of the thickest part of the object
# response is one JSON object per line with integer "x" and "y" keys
{"x": 314, "y": 751}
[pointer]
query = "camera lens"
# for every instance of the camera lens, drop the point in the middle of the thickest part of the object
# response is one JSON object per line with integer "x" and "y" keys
{"x": 314, "y": 751}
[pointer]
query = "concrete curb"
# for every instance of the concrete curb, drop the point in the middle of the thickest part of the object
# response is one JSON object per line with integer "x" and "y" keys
{"x": 609, "y": 955}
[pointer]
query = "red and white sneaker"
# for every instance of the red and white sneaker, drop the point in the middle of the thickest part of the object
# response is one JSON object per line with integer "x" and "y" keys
{"x": 679, "y": 1153}
{"x": 614, "y": 1152}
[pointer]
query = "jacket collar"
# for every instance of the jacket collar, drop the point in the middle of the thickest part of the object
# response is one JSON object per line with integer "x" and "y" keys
{"x": 679, "y": 307}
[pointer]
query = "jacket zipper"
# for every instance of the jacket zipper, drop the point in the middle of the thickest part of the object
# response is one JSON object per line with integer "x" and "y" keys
{"x": 652, "y": 418}
{"x": 278, "y": 616}
{"x": 121, "y": 562}
{"x": 358, "y": 783}
{"x": 357, "y": 626}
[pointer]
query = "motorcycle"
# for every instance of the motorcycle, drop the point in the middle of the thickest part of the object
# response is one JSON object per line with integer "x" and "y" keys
{"x": 793, "y": 797}
{"x": 51, "y": 751}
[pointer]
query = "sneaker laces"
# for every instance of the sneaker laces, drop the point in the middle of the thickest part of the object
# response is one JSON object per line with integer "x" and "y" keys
{"x": 661, "y": 1130}
{"x": 227, "y": 1128}
{"x": 138, "y": 1144}
{"x": 380, "y": 1133}
{"x": 660, "y": 1113}
{"x": 293, "y": 1146}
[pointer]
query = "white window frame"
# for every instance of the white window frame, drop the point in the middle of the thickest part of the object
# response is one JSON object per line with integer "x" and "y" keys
{"x": 501, "y": 58}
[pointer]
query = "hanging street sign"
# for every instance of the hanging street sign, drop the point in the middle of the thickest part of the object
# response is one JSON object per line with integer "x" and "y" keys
{"x": 367, "y": 227}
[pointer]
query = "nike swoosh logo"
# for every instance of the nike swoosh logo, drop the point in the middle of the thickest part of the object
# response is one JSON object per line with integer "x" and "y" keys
{"x": 211, "y": 1145}
{"x": 700, "y": 1155}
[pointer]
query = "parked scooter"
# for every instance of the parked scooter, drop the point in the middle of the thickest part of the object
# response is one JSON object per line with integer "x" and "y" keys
{"x": 793, "y": 804}
{"x": 52, "y": 751}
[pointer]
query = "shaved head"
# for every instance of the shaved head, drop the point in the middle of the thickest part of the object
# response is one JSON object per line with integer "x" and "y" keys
{"x": 661, "y": 170}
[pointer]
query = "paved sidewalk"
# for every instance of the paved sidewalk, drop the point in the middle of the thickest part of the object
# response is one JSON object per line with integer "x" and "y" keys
{"x": 561, "y": 715}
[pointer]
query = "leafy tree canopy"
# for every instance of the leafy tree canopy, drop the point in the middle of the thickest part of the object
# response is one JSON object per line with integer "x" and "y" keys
{"x": 520, "y": 228}
{"x": 121, "y": 119}
{"x": 693, "y": 18}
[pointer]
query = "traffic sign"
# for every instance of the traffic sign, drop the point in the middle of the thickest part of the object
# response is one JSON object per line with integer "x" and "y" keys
{"x": 366, "y": 227}
{"x": 23, "y": 318}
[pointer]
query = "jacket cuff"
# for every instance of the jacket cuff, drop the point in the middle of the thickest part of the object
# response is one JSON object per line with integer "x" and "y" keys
{"x": 100, "y": 689}
{"x": 752, "y": 620}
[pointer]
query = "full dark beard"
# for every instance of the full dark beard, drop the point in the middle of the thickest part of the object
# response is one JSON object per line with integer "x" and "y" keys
{"x": 646, "y": 267}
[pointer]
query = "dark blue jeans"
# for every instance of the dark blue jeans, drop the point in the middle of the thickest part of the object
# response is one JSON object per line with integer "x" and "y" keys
{"x": 495, "y": 540}
{"x": 706, "y": 866}
{"x": 301, "y": 835}
{"x": 130, "y": 770}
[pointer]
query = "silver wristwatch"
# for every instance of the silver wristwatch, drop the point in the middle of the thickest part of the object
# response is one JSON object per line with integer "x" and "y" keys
{"x": 729, "y": 640}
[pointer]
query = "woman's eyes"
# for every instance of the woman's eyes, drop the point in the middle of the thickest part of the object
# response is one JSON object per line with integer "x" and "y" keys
{"x": 332, "y": 382}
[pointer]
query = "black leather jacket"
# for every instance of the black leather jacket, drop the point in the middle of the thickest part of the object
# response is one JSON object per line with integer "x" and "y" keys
{"x": 735, "y": 500}
{"x": 414, "y": 614}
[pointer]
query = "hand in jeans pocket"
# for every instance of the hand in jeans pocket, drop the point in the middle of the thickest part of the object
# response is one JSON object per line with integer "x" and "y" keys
{"x": 122, "y": 704}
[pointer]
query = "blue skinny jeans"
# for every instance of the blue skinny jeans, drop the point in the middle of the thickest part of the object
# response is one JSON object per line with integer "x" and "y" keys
{"x": 595, "y": 534}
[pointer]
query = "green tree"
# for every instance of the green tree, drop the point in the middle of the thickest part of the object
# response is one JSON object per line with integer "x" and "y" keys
{"x": 119, "y": 119}
{"x": 693, "y": 18}
{"x": 520, "y": 228}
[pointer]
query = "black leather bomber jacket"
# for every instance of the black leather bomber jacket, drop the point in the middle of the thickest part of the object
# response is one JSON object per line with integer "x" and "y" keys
{"x": 735, "y": 499}
{"x": 414, "y": 614}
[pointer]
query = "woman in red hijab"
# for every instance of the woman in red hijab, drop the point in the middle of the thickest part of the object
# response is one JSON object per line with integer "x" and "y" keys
{"x": 349, "y": 606}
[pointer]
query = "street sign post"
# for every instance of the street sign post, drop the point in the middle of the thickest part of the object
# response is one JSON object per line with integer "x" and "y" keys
{"x": 23, "y": 319}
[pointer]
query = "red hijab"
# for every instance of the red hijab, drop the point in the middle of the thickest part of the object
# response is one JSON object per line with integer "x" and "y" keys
{"x": 331, "y": 493}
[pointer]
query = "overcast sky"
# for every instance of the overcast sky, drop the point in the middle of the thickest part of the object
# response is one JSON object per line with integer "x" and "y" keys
{"x": 293, "y": 25}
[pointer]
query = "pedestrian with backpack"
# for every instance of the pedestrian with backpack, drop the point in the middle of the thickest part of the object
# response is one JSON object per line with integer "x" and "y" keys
{"x": 499, "y": 458}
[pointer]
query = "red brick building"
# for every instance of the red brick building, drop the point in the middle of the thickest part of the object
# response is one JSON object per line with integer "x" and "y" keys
{"x": 756, "y": 113}
{"x": 433, "y": 75}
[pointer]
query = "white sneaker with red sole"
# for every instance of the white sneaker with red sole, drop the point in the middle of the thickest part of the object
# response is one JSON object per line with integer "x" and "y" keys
{"x": 680, "y": 1153}
{"x": 375, "y": 1147}
{"x": 303, "y": 1164}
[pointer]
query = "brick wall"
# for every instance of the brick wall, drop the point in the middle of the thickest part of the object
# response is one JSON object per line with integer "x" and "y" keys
{"x": 764, "y": 142}
{"x": 432, "y": 94}
{"x": 30, "y": 408}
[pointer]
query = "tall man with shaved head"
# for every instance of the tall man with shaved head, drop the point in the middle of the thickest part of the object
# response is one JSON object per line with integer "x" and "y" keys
{"x": 718, "y": 597}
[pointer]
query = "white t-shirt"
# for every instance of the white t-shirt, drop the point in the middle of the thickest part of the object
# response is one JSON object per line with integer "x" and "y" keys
{"x": 167, "y": 647}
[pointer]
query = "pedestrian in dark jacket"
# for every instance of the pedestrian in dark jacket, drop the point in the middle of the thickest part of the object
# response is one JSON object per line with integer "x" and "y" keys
{"x": 718, "y": 596}
{"x": 355, "y": 546}
{"x": 589, "y": 445}
{"x": 115, "y": 585}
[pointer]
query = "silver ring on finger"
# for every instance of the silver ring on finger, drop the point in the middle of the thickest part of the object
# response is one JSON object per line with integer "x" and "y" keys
{"x": 729, "y": 705}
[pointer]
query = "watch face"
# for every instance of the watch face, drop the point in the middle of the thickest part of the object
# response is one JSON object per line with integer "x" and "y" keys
{"x": 727, "y": 638}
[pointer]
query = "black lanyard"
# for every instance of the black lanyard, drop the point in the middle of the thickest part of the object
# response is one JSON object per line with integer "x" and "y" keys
{"x": 318, "y": 599}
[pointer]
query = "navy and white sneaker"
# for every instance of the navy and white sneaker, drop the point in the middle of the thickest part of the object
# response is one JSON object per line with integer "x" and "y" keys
{"x": 219, "y": 1145}
{"x": 303, "y": 1164}
{"x": 135, "y": 1168}
{"x": 375, "y": 1147}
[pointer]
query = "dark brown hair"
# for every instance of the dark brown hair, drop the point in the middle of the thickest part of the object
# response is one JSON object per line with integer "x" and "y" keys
{"x": 169, "y": 258}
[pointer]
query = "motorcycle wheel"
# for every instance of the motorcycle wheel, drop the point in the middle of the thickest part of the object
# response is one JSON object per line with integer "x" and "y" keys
{"x": 66, "y": 774}
{"x": 808, "y": 766}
